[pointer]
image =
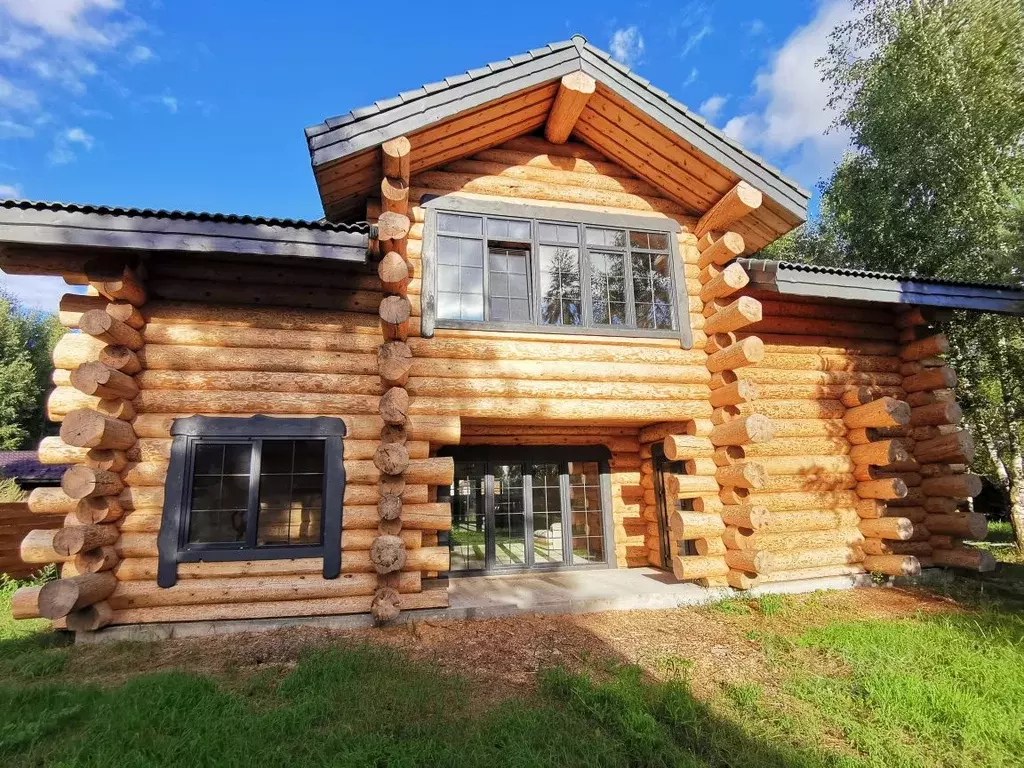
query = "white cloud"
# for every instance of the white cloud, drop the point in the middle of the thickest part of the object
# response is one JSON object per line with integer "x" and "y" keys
{"x": 139, "y": 54}
{"x": 755, "y": 27}
{"x": 8, "y": 191}
{"x": 12, "y": 130}
{"x": 82, "y": 20}
{"x": 712, "y": 107}
{"x": 15, "y": 97}
{"x": 171, "y": 103}
{"x": 792, "y": 122}
{"x": 695, "y": 37}
{"x": 691, "y": 78}
{"x": 17, "y": 42}
{"x": 627, "y": 45}
{"x": 63, "y": 151}
{"x": 41, "y": 294}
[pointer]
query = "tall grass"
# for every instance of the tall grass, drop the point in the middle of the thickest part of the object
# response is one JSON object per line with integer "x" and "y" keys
{"x": 10, "y": 491}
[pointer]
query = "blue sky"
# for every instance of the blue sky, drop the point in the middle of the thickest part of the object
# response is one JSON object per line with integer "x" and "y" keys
{"x": 201, "y": 105}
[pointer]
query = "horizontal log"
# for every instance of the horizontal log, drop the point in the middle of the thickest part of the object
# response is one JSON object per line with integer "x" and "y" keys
{"x": 936, "y": 414}
{"x": 25, "y": 603}
{"x": 689, "y": 568}
{"x": 80, "y": 538}
{"x": 97, "y": 379}
{"x": 888, "y": 488}
{"x": 117, "y": 283}
{"x": 750, "y": 351}
{"x": 64, "y": 399}
{"x": 784, "y": 361}
{"x": 431, "y": 598}
{"x": 722, "y": 250}
{"x": 760, "y": 519}
{"x": 59, "y": 598}
{"x": 100, "y": 325}
{"x": 896, "y": 528}
{"x": 884, "y": 412}
{"x": 925, "y": 348}
{"x": 261, "y": 381}
{"x": 796, "y": 500}
{"x": 931, "y": 379}
{"x": 421, "y": 517}
{"x": 679, "y": 447}
{"x": 972, "y": 525}
{"x": 743, "y": 580}
{"x": 732, "y": 394}
{"x": 889, "y": 547}
{"x": 695, "y": 525}
{"x": 53, "y": 450}
{"x": 955, "y": 486}
{"x": 97, "y": 560}
{"x": 80, "y": 482}
{"x": 745, "y": 474}
{"x": 767, "y": 541}
{"x": 353, "y": 561}
{"x": 893, "y": 565}
{"x": 741, "y": 431}
{"x": 51, "y": 501}
{"x": 879, "y": 453}
{"x": 431, "y": 428}
{"x": 252, "y": 589}
{"x": 38, "y": 547}
{"x": 86, "y": 428}
{"x": 971, "y": 559}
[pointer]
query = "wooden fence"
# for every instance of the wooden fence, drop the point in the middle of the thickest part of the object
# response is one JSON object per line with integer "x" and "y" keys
{"x": 15, "y": 522}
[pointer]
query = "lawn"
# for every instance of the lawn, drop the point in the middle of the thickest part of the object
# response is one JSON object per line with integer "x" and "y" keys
{"x": 871, "y": 677}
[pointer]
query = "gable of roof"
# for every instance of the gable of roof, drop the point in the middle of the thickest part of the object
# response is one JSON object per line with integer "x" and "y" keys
{"x": 633, "y": 122}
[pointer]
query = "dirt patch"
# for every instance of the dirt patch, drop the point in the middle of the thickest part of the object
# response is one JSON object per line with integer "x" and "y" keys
{"x": 712, "y": 646}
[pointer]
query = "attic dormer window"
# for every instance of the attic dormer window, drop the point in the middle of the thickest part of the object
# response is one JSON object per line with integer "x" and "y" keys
{"x": 530, "y": 269}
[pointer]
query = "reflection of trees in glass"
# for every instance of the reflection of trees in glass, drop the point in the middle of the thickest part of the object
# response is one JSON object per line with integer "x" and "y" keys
{"x": 561, "y": 298}
{"x": 652, "y": 289}
{"x": 608, "y": 288}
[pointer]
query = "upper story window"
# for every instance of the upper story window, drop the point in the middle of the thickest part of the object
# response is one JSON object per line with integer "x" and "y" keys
{"x": 605, "y": 274}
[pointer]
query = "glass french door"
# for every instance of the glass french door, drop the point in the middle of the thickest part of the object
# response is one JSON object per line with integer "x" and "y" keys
{"x": 509, "y": 515}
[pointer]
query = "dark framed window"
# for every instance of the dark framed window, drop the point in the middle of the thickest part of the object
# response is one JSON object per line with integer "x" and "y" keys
{"x": 537, "y": 269}
{"x": 530, "y": 507}
{"x": 253, "y": 489}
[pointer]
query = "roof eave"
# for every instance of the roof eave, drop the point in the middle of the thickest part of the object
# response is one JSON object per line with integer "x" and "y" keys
{"x": 766, "y": 275}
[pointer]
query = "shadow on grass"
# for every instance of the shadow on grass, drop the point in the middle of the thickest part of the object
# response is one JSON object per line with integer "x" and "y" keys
{"x": 363, "y": 706}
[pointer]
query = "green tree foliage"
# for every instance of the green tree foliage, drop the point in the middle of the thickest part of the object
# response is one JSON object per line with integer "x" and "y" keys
{"x": 26, "y": 346}
{"x": 931, "y": 93}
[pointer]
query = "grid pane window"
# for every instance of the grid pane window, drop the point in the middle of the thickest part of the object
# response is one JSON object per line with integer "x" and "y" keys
{"x": 585, "y": 505}
{"x": 560, "y": 296}
{"x": 547, "y": 513}
{"x": 652, "y": 289}
{"x": 220, "y": 493}
{"x": 460, "y": 278}
{"x": 466, "y": 540}
{"x": 608, "y": 288}
{"x": 508, "y": 290}
{"x": 509, "y": 515}
{"x": 281, "y": 506}
{"x": 523, "y": 271}
{"x": 291, "y": 492}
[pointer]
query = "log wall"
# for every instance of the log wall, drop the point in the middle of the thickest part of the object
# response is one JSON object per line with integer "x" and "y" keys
{"x": 221, "y": 348}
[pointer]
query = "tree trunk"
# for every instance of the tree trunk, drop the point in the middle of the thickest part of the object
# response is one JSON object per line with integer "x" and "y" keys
{"x": 1016, "y": 472}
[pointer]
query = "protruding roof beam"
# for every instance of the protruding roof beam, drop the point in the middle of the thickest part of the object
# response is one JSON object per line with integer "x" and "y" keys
{"x": 573, "y": 93}
{"x": 737, "y": 203}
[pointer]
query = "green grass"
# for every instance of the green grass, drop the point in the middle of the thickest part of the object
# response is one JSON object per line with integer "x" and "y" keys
{"x": 926, "y": 690}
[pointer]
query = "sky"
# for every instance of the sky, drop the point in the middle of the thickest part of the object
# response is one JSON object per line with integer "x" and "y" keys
{"x": 200, "y": 105}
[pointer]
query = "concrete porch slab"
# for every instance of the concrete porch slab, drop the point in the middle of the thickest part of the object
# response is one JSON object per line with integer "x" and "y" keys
{"x": 484, "y": 597}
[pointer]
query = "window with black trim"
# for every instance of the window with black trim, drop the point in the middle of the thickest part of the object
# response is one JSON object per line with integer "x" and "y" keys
{"x": 543, "y": 272}
{"x": 253, "y": 488}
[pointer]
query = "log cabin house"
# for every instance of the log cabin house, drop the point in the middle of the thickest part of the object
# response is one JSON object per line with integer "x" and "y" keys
{"x": 531, "y": 332}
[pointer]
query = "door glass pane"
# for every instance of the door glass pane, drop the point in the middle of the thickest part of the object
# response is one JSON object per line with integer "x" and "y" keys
{"x": 509, "y": 515}
{"x": 608, "y": 287}
{"x": 547, "y": 514}
{"x": 220, "y": 493}
{"x": 585, "y": 507}
{"x": 652, "y": 289}
{"x": 291, "y": 492}
{"x": 560, "y": 296}
{"x": 467, "y": 540}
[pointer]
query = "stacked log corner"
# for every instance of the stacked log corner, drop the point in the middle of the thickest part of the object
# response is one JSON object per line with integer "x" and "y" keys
{"x": 719, "y": 476}
{"x": 940, "y": 487}
{"x": 98, "y": 440}
{"x": 388, "y": 548}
